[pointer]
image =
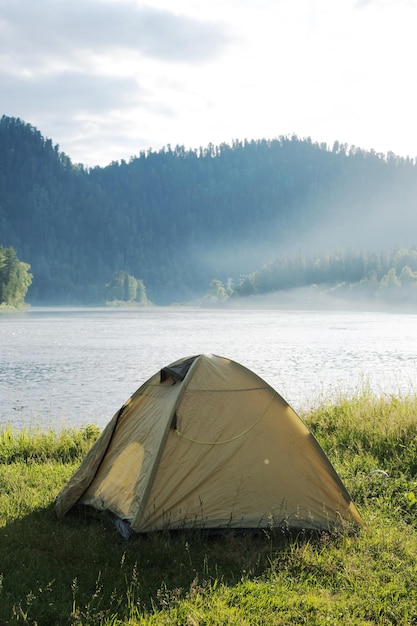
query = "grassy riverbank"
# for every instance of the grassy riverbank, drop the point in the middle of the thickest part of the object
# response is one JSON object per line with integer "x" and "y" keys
{"x": 80, "y": 571}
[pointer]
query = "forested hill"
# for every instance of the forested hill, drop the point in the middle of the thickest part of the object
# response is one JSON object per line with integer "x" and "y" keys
{"x": 177, "y": 218}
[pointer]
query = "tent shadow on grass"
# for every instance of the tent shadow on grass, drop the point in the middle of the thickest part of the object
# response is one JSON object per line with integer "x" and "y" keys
{"x": 52, "y": 567}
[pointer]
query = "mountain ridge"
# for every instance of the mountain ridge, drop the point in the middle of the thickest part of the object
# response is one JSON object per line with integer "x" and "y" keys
{"x": 177, "y": 219}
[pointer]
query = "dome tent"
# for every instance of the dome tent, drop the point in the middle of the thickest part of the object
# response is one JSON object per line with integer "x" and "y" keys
{"x": 207, "y": 443}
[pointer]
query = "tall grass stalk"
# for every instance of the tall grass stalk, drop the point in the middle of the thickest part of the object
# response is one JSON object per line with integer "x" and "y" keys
{"x": 79, "y": 571}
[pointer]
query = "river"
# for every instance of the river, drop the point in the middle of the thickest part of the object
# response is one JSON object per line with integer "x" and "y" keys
{"x": 75, "y": 366}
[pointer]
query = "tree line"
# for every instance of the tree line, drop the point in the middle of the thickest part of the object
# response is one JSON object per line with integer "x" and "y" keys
{"x": 175, "y": 219}
{"x": 357, "y": 275}
{"x": 15, "y": 280}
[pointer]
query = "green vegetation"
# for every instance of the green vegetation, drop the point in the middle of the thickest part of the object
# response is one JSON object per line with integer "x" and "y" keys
{"x": 176, "y": 219}
{"x": 352, "y": 275}
{"x": 125, "y": 289}
{"x": 80, "y": 571}
{"x": 15, "y": 278}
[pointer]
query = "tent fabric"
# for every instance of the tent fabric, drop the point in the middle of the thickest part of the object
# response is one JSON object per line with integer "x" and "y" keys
{"x": 177, "y": 370}
{"x": 207, "y": 443}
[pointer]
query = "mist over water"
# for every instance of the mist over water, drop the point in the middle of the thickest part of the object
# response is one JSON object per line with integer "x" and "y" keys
{"x": 61, "y": 367}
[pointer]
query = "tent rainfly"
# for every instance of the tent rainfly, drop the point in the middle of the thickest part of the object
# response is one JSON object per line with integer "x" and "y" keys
{"x": 207, "y": 443}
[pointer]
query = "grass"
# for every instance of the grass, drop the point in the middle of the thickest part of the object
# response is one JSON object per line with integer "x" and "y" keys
{"x": 79, "y": 571}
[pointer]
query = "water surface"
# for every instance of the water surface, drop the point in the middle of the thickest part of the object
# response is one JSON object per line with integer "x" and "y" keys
{"x": 76, "y": 366}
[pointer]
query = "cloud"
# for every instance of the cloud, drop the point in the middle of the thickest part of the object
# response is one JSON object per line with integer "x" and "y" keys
{"x": 99, "y": 70}
{"x": 87, "y": 114}
{"x": 33, "y": 31}
{"x": 68, "y": 92}
{"x": 191, "y": 72}
{"x": 378, "y": 4}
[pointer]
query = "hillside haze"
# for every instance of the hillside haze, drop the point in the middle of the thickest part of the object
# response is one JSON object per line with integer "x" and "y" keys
{"x": 177, "y": 219}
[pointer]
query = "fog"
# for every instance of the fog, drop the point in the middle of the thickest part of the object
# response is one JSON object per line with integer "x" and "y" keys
{"x": 317, "y": 299}
{"x": 381, "y": 220}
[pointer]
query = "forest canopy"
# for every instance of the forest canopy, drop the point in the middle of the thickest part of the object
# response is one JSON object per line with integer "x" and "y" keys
{"x": 253, "y": 215}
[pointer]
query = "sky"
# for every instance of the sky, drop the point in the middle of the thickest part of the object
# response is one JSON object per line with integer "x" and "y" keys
{"x": 107, "y": 79}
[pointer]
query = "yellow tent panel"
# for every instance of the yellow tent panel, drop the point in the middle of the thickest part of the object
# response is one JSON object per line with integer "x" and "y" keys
{"x": 207, "y": 443}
